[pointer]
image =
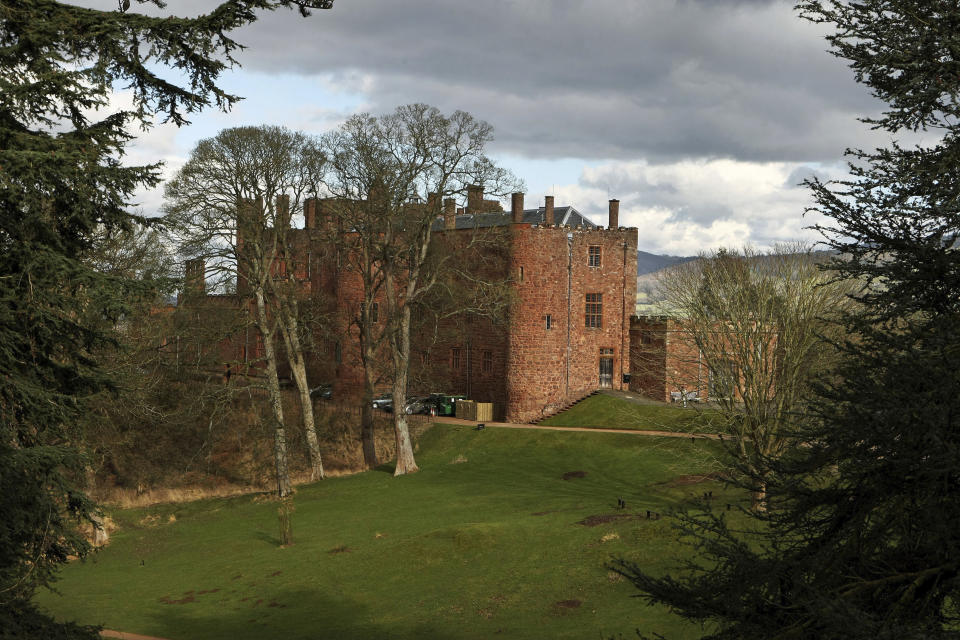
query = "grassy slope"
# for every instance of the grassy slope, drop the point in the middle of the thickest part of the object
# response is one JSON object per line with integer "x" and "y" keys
{"x": 610, "y": 411}
{"x": 467, "y": 550}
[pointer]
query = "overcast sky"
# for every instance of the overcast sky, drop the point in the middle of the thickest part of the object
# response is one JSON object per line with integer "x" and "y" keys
{"x": 701, "y": 116}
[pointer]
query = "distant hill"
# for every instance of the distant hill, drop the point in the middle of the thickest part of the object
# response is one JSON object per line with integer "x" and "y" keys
{"x": 649, "y": 265}
{"x": 650, "y": 262}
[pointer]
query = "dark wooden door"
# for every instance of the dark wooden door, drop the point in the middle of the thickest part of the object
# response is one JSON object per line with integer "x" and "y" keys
{"x": 606, "y": 368}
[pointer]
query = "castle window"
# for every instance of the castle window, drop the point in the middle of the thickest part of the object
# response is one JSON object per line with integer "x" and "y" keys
{"x": 487, "y": 361}
{"x": 455, "y": 358}
{"x": 521, "y": 274}
{"x": 338, "y": 353}
{"x": 375, "y": 312}
{"x": 594, "y": 311}
{"x": 593, "y": 256}
{"x": 301, "y": 269}
{"x": 548, "y": 320}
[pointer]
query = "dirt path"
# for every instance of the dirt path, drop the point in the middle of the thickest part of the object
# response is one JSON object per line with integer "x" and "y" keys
{"x": 123, "y": 635}
{"x": 635, "y": 432}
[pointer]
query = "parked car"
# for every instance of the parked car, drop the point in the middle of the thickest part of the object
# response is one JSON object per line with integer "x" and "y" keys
{"x": 684, "y": 396}
{"x": 419, "y": 404}
{"x": 323, "y": 391}
{"x": 384, "y": 402}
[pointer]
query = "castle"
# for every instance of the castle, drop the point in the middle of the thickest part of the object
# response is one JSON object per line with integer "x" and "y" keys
{"x": 566, "y": 333}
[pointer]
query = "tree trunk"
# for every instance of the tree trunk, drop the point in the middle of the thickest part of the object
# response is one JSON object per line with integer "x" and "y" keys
{"x": 405, "y": 461}
{"x": 367, "y": 433}
{"x": 285, "y": 516}
{"x": 280, "y": 455}
{"x": 309, "y": 426}
{"x": 291, "y": 339}
{"x": 276, "y": 401}
{"x": 759, "y": 498}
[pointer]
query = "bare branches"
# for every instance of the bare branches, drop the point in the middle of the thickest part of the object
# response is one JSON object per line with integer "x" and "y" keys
{"x": 760, "y": 325}
{"x": 388, "y": 176}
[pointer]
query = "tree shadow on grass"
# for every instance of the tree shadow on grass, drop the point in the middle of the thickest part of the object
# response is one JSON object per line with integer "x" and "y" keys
{"x": 291, "y": 614}
{"x": 272, "y": 540}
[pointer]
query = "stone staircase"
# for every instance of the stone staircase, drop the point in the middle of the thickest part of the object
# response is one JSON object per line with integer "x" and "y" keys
{"x": 565, "y": 408}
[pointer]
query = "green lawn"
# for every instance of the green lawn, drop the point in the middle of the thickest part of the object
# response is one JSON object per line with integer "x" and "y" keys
{"x": 610, "y": 411}
{"x": 488, "y": 546}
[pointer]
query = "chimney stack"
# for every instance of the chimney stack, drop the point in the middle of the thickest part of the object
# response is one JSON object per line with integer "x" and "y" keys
{"x": 474, "y": 198}
{"x": 449, "y": 213}
{"x": 283, "y": 212}
{"x": 327, "y": 215}
{"x": 548, "y": 211}
{"x": 517, "y": 207}
{"x": 249, "y": 219}
{"x": 194, "y": 277}
{"x": 433, "y": 201}
{"x": 310, "y": 213}
{"x": 614, "y": 215}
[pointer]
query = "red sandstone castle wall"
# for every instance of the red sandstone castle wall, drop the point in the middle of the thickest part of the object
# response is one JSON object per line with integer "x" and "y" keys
{"x": 665, "y": 359}
{"x": 648, "y": 358}
{"x": 524, "y": 368}
{"x": 549, "y": 367}
{"x": 464, "y": 353}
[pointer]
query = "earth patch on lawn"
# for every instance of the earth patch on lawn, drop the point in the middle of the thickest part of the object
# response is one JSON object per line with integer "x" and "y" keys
{"x": 597, "y": 520}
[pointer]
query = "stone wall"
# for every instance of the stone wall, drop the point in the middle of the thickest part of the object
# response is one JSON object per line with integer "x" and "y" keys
{"x": 549, "y": 367}
{"x": 664, "y": 359}
{"x": 539, "y": 356}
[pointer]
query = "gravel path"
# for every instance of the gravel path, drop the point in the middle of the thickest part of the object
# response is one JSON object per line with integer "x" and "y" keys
{"x": 123, "y": 635}
{"x": 635, "y": 432}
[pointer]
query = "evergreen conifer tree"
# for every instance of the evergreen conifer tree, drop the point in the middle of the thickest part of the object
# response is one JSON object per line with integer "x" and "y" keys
{"x": 862, "y": 538}
{"x": 62, "y": 185}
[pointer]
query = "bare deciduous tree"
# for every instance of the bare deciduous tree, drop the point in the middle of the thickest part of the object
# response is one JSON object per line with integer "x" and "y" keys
{"x": 389, "y": 176}
{"x": 231, "y": 205}
{"x": 760, "y": 326}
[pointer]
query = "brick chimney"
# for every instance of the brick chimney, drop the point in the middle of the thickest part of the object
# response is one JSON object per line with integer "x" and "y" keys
{"x": 310, "y": 213}
{"x": 614, "y": 215}
{"x": 327, "y": 215}
{"x": 194, "y": 281}
{"x": 517, "y": 207}
{"x": 449, "y": 213}
{"x": 249, "y": 219}
{"x": 433, "y": 201}
{"x": 283, "y": 212}
{"x": 474, "y": 198}
{"x": 548, "y": 211}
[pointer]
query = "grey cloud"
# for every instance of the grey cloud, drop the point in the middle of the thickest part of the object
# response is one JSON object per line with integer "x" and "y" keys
{"x": 621, "y": 180}
{"x": 636, "y": 191}
{"x": 702, "y": 214}
{"x": 745, "y": 79}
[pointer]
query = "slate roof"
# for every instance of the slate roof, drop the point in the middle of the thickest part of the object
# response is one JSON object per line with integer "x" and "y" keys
{"x": 561, "y": 216}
